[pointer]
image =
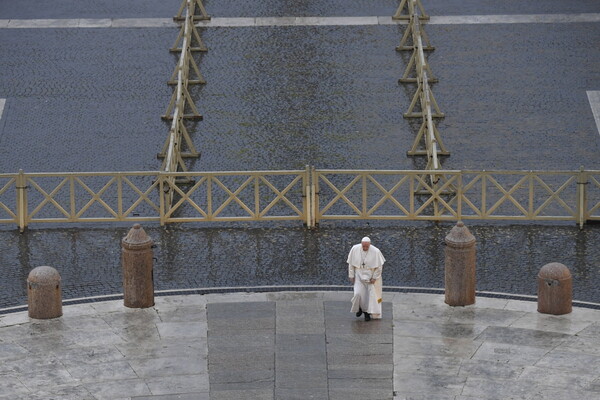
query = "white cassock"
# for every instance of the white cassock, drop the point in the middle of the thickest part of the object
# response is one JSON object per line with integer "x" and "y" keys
{"x": 364, "y": 266}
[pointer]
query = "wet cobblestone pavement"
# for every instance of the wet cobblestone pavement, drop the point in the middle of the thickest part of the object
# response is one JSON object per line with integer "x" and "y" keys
{"x": 280, "y": 98}
{"x": 508, "y": 257}
{"x": 284, "y": 97}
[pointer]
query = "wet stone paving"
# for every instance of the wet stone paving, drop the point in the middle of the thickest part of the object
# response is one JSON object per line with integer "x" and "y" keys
{"x": 301, "y": 346}
{"x": 294, "y": 350}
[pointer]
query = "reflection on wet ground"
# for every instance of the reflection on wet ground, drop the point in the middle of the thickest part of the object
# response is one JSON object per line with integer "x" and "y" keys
{"x": 508, "y": 257}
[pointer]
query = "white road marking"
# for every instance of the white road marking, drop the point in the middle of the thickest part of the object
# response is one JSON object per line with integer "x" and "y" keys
{"x": 514, "y": 19}
{"x": 2, "y": 103}
{"x": 594, "y": 98}
{"x": 297, "y": 21}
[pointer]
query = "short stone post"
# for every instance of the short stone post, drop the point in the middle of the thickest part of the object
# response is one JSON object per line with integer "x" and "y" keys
{"x": 137, "y": 258}
{"x": 44, "y": 293}
{"x": 460, "y": 266}
{"x": 555, "y": 289}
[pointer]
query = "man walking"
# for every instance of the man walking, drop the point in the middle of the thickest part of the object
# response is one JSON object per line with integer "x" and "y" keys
{"x": 365, "y": 263}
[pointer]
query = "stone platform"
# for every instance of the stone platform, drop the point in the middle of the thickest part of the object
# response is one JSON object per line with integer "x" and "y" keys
{"x": 301, "y": 345}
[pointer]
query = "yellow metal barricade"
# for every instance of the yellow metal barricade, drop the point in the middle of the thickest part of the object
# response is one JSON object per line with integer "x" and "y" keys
{"x": 308, "y": 196}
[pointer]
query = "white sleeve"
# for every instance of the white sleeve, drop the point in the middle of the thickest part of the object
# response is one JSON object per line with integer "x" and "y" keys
{"x": 377, "y": 272}
{"x": 350, "y": 271}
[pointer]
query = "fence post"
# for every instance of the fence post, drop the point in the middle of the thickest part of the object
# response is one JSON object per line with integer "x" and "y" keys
{"x": 459, "y": 194}
{"x": 21, "y": 186}
{"x": 161, "y": 195}
{"x": 581, "y": 197}
{"x": 314, "y": 188}
{"x": 306, "y": 193}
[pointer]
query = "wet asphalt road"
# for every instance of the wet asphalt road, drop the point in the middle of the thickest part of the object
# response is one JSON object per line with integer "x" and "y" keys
{"x": 281, "y": 98}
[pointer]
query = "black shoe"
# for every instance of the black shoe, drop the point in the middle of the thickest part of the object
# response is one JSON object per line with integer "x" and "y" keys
{"x": 359, "y": 313}
{"x": 367, "y": 316}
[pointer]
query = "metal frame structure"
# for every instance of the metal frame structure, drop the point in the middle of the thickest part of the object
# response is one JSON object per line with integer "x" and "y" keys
{"x": 481, "y": 195}
{"x": 406, "y": 5}
{"x": 198, "y": 12}
{"x": 179, "y": 144}
{"x": 310, "y": 196}
{"x": 181, "y": 98}
{"x": 418, "y": 71}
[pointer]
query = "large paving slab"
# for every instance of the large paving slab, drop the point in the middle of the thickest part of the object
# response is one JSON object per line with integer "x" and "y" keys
{"x": 300, "y": 345}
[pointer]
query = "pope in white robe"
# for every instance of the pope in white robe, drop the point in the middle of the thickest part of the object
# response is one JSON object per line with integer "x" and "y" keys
{"x": 365, "y": 264}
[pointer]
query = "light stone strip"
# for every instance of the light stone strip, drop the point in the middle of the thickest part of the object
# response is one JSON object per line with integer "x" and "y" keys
{"x": 514, "y": 19}
{"x": 241, "y": 348}
{"x": 2, "y": 103}
{"x": 297, "y": 21}
{"x": 594, "y": 98}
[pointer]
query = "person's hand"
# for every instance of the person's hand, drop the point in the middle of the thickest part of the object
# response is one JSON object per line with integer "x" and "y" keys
{"x": 351, "y": 280}
{"x": 372, "y": 281}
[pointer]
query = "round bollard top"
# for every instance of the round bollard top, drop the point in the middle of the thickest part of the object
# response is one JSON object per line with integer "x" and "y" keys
{"x": 556, "y": 271}
{"x": 44, "y": 275}
{"x": 460, "y": 236}
{"x": 137, "y": 239}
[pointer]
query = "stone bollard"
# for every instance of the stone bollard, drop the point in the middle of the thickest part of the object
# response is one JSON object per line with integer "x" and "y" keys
{"x": 555, "y": 289}
{"x": 44, "y": 296}
{"x": 137, "y": 257}
{"x": 460, "y": 266}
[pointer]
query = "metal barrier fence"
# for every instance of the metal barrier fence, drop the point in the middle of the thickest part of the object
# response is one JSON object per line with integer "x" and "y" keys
{"x": 405, "y": 5}
{"x": 198, "y": 12}
{"x": 460, "y": 195}
{"x": 186, "y": 73}
{"x": 309, "y": 196}
{"x": 33, "y": 198}
{"x": 418, "y": 71}
{"x": 179, "y": 144}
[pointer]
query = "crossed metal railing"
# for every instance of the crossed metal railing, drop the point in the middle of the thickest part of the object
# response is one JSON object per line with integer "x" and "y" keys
{"x": 31, "y": 198}
{"x": 309, "y": 195}
{"x": 418, "y": 71}
{"x": 461, "y": 195}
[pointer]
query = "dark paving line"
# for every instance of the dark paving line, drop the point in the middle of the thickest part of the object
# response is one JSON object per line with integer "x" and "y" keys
{"x": 360, "y": 360}
{"x": 300, "y": 359}
{"x": 241, "y": 350}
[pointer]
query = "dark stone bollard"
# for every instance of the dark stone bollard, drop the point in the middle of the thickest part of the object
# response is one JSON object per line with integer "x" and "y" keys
{"x": 460, "y": 266}
{"x": 44, "y": 295}
{"x": 137, "y": 258}
{"x": 555, "y": 289}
